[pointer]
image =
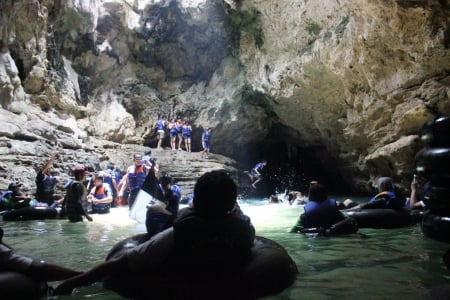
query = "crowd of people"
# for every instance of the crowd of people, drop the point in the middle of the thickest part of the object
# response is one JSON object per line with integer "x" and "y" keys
{"x": 169, "y": 230}
{"x": 323, "y": 212}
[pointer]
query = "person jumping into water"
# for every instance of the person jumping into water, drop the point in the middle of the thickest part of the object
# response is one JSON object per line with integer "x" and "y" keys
{"x": 255, "y": 174}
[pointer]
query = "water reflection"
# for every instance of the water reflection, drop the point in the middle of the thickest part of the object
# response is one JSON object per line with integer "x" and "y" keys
{"x": 372, "y": 264}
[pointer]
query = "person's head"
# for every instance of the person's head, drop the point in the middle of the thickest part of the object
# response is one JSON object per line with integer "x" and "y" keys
{"x": 148, "y": 152}
{"x": 290, "y": 197}
{"x": 137, "y": 159}
{"x": 264, "y": 162}
{"x": 80, "y": 173}
{"x": 215, "y": 194}
{"x": 317, "y": 192}
{"x": 273, "y": 199}
{"x": 14, "y": 186}
{"x": 385, "y": 184}
{"x": 166, "y": 181}
{"x": 110, "y": 166}
{"x": 98, "y": 180}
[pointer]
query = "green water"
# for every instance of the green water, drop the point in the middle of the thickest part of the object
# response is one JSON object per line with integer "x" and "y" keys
{"x": 373, "y": 264}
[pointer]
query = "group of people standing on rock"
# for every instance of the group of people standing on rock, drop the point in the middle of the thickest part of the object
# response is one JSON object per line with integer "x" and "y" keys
{"x": 180, "y": 132}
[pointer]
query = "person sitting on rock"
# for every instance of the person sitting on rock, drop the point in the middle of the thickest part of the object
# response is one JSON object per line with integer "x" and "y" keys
{"x": 213, "y": 235}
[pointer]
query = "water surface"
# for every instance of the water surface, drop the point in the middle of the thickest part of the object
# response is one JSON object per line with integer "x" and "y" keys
{"x": 372, "y": 264}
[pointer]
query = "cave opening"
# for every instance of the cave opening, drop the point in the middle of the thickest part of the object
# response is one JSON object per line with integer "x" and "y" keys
{"x": 19, "y": 63}
{"x": 293, "y": 167}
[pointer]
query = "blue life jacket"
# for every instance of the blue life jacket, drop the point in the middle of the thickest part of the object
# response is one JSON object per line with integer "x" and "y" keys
{"x": 100, "y": 192}
{"x": 392, "y": 201}
{"x": 206, "y": 136}
{"x": 321, "y": 214}
{"x": 173, "y": 130}
{"x": 179, "y": 128}
{"x": 136, "y": 179}
{"x": 160, "y": 125}
{"x": 5, "y": 200}
{"x": 186, "y": 131}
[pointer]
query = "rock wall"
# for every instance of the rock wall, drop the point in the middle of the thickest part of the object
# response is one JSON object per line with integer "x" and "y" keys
{"x": 336, "y": 90}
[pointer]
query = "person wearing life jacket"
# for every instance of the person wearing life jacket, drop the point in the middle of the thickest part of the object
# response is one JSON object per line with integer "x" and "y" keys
{"x": 18, "y": 199}
{"x": 164, "y": 208}
{"x": 386, "y": 197}
{"x": 187, "y": 131}
{"x": 109, "y": 177}
{"x": 75, "y": 202}
{"x": 160, "y": 131}
{"x": 173, "y": 134}
{"x": 45, "y": 183}
{"x": 256, "y": 173}
{"x": 419, "y": 189}
{"x": 100, "y": 196}
{"x": 134, "y": 179}
{"x": 213, "y": 236}
{"x": 179, "y": 127}
{"x": 320, "y": 211}
{"x": 206, "y": 136}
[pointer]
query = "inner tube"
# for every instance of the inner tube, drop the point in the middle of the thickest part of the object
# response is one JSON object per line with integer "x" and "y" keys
{"x": 269, "y": 271}
{"x": 436, "y": 133}
{"x": 15, "y": 285}
{"x": 436, "y": 227}
{"x": 31, "y": 213}
{"x": 433, "y": 164}
{"x": 382, "y": 218}
{"x": 437, "y": 199}
{"x": 344, "y": 227}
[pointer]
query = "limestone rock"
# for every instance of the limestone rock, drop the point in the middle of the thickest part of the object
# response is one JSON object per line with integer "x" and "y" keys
{"x": 344, "y": 85}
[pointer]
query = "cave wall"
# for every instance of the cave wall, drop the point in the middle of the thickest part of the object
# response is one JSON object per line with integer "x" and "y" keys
{"x": 344, "y": 85}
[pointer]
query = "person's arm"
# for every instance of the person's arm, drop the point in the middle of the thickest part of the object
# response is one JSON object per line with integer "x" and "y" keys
{"x": 43, "y": 271}
{"x": 50, "y": 161}
{"x": 414, "y": 200}
{"x": 20, "y": 196}
{"x": 110, "y": 267}
{"x": 377, "y": 203}
{"x": 78, "y": 194}
{"x": 124, "y": 185}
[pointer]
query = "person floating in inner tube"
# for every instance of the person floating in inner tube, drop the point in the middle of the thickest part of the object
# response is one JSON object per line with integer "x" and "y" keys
{"x": 214, "y": 235}
{"x": 256, "y": 173}
{"x": 322, "y": 213}
{"x": 419, "y": 188}
{"x": 18, "y": 198}
{"x": 37, "y": 270}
